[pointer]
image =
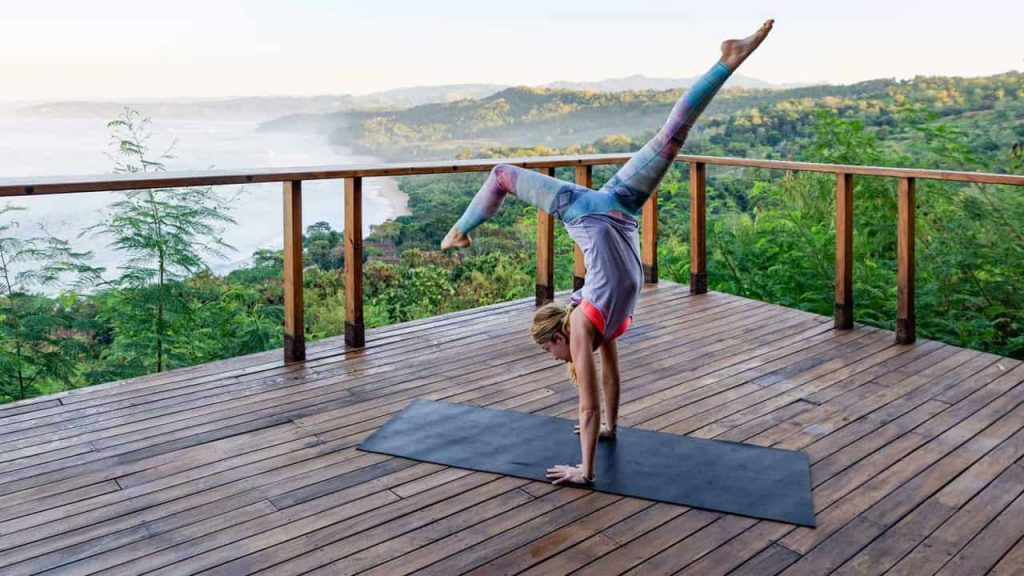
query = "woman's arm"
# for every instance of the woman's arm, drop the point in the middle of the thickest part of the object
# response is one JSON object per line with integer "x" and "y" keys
{"x": 581, "y": 345}
{"x": 582, "y": 340}
{"x": 610, "y": 383}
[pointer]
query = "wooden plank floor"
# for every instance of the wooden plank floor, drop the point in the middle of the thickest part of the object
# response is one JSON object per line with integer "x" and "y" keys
{"x": 249, "y": 465}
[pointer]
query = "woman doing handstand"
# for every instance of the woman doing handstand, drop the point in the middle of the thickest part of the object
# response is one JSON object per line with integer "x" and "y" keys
{"x": 603, "y": 224}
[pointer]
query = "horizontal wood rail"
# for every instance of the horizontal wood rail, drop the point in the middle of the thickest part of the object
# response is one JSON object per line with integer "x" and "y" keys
{"x": 353, "y": 175}
{"x": 107, "y": 183}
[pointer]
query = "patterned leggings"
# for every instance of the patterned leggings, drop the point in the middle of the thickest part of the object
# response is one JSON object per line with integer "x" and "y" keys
{"x": 626, "y": 191}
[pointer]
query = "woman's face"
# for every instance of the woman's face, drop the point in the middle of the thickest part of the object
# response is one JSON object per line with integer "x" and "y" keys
{"x": 558, "y": 347}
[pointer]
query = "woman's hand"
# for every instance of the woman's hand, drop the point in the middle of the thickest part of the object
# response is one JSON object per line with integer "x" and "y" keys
{"x": 605, "y": 432}
{"x": 567, "y": 475}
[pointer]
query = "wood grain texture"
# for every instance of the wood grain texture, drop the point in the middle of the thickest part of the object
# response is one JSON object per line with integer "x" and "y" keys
{"x": 545, "y": 289}
{"x": 844, "y": 251}
{"x": 355, "y": 331}
{"x": 906, "y": 331}
{"x": 649, "y": 239}
{"x": 294, "y": 330}
{"x": 584, "y": 177}
{"x": 251, "y": 463}
{"x": 698, "y": 228}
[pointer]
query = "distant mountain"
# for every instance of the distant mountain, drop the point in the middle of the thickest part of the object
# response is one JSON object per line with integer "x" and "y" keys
{"x": 426, "y": 99}
{"x": 418, "y": 95}
{"x": 526, "y": 117}
{"x": 264, "y": 108}
{"x": 641, "y": 82}
{"x": 256, "y": 108}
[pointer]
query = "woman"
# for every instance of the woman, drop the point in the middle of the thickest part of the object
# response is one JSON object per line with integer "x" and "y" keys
{"x": 603, "y": 223}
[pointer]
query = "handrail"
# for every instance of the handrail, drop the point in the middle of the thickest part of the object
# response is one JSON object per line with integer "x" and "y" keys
{"x": 292, "y": 178}
{"x": 37, "y": 185}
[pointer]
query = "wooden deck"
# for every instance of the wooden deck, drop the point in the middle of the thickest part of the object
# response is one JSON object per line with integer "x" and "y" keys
{"x": 248, "y": 464}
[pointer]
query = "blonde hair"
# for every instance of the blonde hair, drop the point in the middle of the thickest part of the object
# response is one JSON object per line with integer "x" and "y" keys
{"x": 551, "y": 319}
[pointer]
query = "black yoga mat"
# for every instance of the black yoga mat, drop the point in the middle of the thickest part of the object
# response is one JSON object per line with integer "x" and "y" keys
{"x": 753, "y": 481}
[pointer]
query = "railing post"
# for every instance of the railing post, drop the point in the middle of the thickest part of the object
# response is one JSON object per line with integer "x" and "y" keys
{"x": 584, "y": 177}
{"x": 355, "y": 332}
{"x": 906, "y": 331}
{"x": 649, "y": 240}
{"x": 844, "y": 251}
{"x": 698, "y": 228}
{"x": 294, "y": 330}
{"x": 545, "y": 252}
{"x": 545, "y": 288}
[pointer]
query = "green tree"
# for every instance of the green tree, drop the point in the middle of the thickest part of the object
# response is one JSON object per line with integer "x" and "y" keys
{"x": 324, "y": 246}
{"x": 165, "y": 234}
{"x": 38, "y": 340}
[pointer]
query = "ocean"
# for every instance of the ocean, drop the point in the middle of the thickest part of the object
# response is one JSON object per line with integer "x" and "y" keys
{"x": 31, "y": 146}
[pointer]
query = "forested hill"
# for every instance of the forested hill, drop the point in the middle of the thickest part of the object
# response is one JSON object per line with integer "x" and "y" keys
{"x": 768, "y": 123}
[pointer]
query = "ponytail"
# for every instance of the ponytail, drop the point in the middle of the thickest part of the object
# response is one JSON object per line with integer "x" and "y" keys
{"x": 551, "y": 319}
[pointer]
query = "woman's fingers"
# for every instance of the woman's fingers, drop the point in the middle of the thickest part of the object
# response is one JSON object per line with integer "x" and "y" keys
{"x": 561, "y": 474}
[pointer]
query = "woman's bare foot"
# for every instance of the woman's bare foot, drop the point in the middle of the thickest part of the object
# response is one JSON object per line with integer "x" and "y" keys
{"x": 456, "y": 239}
{"x": 734, "y": 52}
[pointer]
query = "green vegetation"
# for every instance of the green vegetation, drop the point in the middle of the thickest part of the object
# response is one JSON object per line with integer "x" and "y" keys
{"x": 770, "y": 235}
{"x": 164, "y": 235}
{"x": 39, "y": 334}
{"x": 738, "y": 122}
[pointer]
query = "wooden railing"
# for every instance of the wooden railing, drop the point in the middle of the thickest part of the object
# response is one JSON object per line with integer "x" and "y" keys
{"x": 353, "y": 175}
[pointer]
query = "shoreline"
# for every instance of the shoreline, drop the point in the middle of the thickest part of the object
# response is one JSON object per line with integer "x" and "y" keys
{"x": 390, "y": 192}
{"x": 385, "y": 188}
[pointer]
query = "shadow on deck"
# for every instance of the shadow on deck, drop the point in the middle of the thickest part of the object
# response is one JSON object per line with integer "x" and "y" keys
{"x": 246, "y": 464}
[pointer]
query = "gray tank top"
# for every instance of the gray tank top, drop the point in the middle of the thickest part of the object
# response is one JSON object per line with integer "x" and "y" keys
{"x": 611, "y": 251}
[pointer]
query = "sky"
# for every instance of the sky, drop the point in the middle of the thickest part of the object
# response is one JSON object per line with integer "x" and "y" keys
{"x": 113, "y": 49}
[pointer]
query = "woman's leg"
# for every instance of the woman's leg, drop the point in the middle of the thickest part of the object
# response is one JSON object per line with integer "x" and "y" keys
{"x": 637, "y": 179}
{"x": 634, "y": 182}
{"x": 549, "y": 194}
